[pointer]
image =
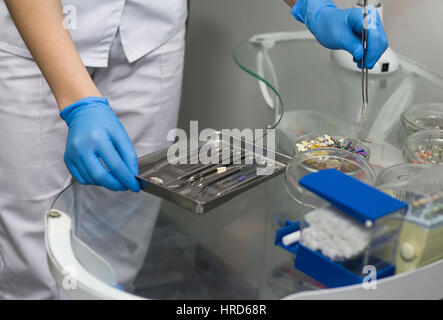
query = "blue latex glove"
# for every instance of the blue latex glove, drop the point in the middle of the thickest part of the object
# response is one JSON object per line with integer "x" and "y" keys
{"x": 338, "y": 28}
{"x": 96, "y": 133}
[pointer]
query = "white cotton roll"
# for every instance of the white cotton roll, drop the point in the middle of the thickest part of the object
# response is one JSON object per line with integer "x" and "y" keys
{"x": 291, "y": 238}
{"x": 334, "y": 234}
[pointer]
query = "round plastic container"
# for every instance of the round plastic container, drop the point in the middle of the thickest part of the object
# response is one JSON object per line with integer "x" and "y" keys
{"x": 423, "y": 117}
{"x": 424, "y": 147}
{"x": 423, "y": 192}
{"x": 320, "y": 159}
{"x": 399, "y": 172}
{"x": 313, "y": 141}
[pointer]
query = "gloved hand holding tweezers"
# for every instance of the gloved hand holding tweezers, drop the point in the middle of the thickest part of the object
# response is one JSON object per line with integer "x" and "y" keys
{"x": 341, "y": 29}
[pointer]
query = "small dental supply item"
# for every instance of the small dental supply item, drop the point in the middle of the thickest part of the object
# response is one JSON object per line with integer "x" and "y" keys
{"x": 358, "y": 228}
{"x": 325, "y": 141}
{"x": 334, "y": 234}
{"x": 291, "y": 238}
{"x": 211, "y": 173}
{"x": 424, "y": 147}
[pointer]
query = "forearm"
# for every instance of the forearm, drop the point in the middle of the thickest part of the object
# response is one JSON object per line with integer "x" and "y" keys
{"x": 291, "y": 3}
{"x": 40, "y": 23}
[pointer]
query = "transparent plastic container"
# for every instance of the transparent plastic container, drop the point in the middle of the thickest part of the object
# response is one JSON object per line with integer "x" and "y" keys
{"x": 399, "y": 172}
{"x": 316, "y": 140}
{"x": 351, "y": 244}
{"x": 423, "y": 117}
{"x": 320, "y": 159}
{"x": 423, "y": 192}
{"x": 421, "y": 237}
{"x": 424, "y": 147}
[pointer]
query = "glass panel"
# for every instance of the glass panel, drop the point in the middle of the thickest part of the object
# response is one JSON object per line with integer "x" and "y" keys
{"x": 161, "y": 251}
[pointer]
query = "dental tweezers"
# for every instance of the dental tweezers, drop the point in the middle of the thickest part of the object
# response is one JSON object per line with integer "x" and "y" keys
{"x": 364, "y": 69}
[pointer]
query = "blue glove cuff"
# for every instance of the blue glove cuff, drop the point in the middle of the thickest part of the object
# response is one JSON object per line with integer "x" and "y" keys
{"x": 307, "y": 11}
{"x": 67, "y": 113}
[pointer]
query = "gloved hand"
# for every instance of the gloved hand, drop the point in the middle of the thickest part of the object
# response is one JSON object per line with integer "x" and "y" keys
{"x": 95, "y": 132}
{"x": 338, "y": 28}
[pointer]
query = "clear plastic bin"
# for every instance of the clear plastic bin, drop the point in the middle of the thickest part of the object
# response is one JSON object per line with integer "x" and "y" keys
{"x": 399, "y": 172}
{"x": 354, "y": 234}
{"x": 320, "y": 159}
{"x": 424, "y": 147}
{"x": 350, "y": 243}
{"x": 423, "y": 117}
{"x": 421, "y": 238}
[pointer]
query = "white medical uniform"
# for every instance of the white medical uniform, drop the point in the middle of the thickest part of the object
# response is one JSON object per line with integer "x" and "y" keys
{"x": 134, "y": 51}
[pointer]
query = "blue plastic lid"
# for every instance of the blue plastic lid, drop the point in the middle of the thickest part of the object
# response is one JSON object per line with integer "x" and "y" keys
{"x": 353, "y": 197}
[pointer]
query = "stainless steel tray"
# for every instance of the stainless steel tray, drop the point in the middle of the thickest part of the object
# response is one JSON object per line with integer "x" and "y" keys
{"x": 236, "y": 174}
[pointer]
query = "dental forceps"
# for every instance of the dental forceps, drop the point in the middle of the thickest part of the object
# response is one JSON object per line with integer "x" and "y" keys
{"x": 364, "y": 69}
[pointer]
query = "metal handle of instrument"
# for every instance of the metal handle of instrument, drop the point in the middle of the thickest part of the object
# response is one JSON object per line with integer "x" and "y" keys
{"x": 365, "y": 70}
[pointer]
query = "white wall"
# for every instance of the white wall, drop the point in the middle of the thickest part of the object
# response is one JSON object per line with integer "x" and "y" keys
{"x": 218, "y": 94}
{"x": 215, "y": 91}
{"x": 415, "y": 29}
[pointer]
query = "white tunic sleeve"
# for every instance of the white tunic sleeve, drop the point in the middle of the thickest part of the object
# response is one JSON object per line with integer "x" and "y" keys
{"x": 144, "y": 26}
